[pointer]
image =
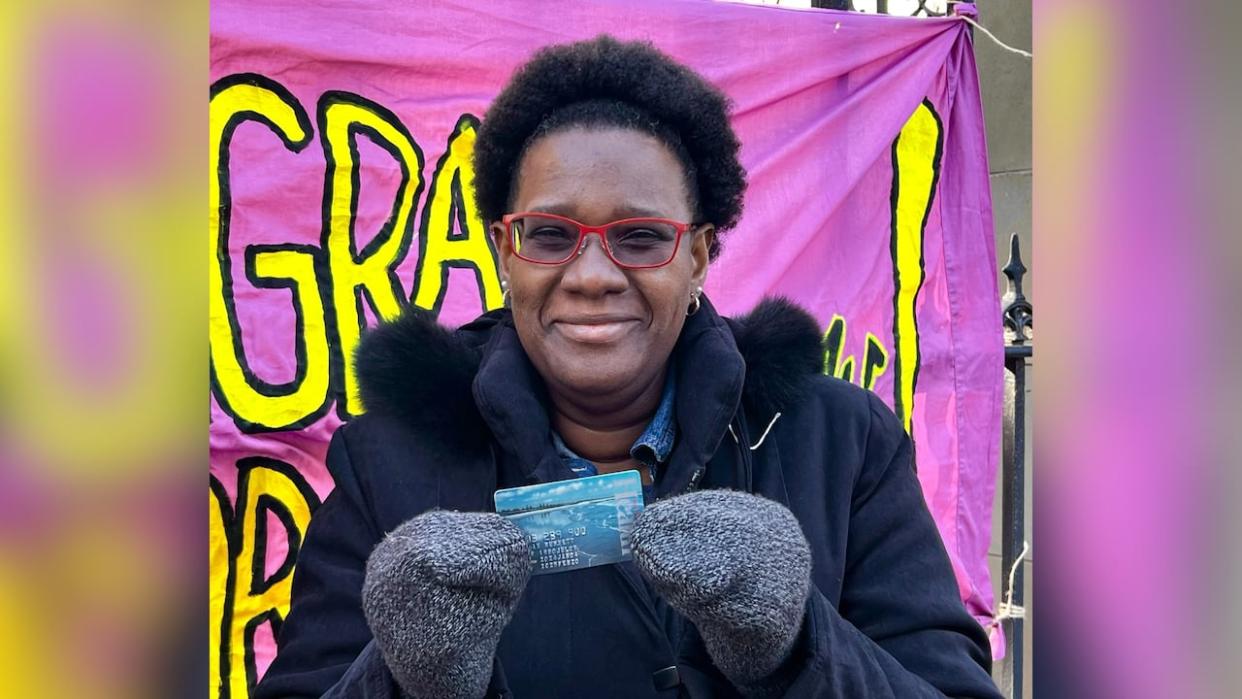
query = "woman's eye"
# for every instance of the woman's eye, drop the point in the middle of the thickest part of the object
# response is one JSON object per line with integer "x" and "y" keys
{"x": 641, "y": 236}
{"x": 549, "y": 234}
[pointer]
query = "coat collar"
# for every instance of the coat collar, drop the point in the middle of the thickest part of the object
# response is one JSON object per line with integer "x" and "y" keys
{"x": 461, "y": 385}
{"x": 511, "y": 398}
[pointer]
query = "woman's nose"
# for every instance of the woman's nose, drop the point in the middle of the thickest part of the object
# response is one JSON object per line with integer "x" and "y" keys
{"x": 592, "y": 272}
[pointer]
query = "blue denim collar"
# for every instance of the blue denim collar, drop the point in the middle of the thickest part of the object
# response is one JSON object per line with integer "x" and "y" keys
{"x": 656, "y": 442}
{"x": 652, "y": 447}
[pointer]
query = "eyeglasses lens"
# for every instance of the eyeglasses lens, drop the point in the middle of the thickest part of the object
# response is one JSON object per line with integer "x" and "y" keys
{"x": 637, "y": 243}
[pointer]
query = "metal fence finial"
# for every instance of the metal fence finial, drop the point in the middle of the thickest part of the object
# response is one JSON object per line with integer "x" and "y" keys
{"x": 1019, "y": 326}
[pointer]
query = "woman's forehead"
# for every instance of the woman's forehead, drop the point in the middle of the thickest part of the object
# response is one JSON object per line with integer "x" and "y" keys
{"x": 609, "y": 172}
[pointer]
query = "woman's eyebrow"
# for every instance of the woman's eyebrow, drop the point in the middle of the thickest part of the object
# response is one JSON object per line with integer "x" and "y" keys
{"x": 619, "y": 212}
{"x": 637, "y": 212}
{"x": 553, "y": 208}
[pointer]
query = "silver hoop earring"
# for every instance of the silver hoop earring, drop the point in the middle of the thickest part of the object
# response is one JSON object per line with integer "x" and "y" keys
{"x": 694, "y": 302}
{"x": 505, "y": 296}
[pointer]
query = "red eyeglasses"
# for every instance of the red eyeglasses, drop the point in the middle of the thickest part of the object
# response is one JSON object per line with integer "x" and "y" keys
{"x": 632, "y": 243}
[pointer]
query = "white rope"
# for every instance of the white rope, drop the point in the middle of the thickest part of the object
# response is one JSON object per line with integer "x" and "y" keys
{"x": 992, "y": 36}
{"x": 763, "y": 437}
{"x": 765, "y": 432}
{"x": 1007, "y": 609}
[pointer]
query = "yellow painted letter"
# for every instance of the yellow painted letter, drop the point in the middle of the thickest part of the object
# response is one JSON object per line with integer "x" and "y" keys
{"x": 220, "y": 566}
{"x": 253, "y": 403}
{"x": 265, "y": 486}
{"x": 916, "y": 167}
{"x": 836, "y": 363}
{"x": 451, "y": 206}
{"x": 342, "y": 118}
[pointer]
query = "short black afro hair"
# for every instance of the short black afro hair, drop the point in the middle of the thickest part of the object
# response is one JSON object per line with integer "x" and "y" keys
{"x": 605, "y": 82}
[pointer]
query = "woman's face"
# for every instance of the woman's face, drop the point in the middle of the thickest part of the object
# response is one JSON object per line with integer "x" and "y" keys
{"x": 589, "y": 326}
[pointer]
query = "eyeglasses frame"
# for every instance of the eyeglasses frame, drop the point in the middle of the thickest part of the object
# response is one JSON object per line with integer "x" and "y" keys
{"x": 584, "y": 230}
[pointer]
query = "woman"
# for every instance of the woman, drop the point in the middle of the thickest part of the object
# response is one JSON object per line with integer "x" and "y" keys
{"x": 785, "y": 549}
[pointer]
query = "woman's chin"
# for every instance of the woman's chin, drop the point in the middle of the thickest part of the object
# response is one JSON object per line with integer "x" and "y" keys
{"x": 592, "y": 380}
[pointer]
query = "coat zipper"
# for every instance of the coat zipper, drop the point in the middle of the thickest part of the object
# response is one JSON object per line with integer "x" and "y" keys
{"x": 695, "y": 478}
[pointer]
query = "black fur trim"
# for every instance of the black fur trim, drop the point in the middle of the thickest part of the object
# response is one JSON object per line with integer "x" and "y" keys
{"x": 421, "y": 372}
{"x": 782, "y": 345}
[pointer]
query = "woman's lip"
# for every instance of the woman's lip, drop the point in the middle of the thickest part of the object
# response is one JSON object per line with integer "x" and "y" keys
{"x": 594, "y": 332}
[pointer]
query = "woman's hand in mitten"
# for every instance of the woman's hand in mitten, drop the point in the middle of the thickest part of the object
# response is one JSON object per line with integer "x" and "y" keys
{"x": 439, "y": 591}
{"x": 737, "y": 566}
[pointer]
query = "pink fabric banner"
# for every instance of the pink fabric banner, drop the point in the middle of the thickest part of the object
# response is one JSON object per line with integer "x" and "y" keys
{"x": 340, "y": 153}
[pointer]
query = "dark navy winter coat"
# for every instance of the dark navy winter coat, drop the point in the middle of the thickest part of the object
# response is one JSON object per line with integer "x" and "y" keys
{"x": 453, "y": 416}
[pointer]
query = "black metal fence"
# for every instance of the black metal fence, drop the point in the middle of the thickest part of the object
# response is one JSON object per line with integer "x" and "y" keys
{"x": 1019, "y": 332}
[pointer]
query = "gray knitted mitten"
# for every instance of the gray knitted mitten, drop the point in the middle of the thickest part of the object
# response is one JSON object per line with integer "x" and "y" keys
{"x": 438, "y": 592}
{"x": 738, "y": 567}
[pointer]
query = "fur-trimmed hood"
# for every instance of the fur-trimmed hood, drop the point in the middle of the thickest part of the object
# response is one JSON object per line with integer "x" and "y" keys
{"x": 423, "y": 373}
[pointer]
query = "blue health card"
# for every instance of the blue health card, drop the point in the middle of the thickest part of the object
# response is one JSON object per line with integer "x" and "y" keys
{"x": 576, "y": 523}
